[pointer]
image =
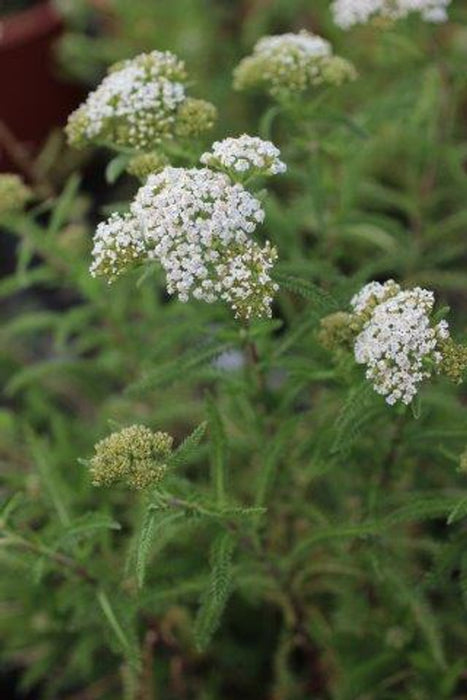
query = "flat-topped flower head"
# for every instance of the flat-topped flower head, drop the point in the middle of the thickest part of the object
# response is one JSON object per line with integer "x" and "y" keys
{"x": 136, "y": 105}
{"x": 118, "y": 246}
{"x": 290, "y": 63}
{"x": 134, "y": 456}
{"x": 198, "y": 224}
{"x": 14, "y": 194}
{"x": 348, "y": 13}
{"x": 399, "y": 344}
{"x": 244, "y": 156}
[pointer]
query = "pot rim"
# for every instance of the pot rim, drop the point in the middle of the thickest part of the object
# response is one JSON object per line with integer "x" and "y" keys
{"x": 21, "y": 27}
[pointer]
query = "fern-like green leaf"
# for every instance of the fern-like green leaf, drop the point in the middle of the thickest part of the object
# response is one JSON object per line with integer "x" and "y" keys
{"x": 154, "y": 522}
{"x": 322, "y": 300}
{"x": 178, "y": 369}
{"x": 218, "y": 591}
{"x": 353, "y": 416}
{"x": 185, "y": 451}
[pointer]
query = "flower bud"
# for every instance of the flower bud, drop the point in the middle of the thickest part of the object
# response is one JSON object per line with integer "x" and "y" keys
{"x": 134, "y": 456}
{"x": 144, "y": 164}
{"x": 14, "y": 194}
{"x": 194, "y": 117}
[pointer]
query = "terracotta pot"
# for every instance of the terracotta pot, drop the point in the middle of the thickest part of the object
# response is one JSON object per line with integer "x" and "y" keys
{"x": 33, "y": 98}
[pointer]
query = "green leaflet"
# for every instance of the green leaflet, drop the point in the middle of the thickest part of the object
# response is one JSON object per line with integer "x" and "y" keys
{"x": 187, "y": 449}
{"x": 123, "y": 639}
{"x": 322, "y": 300}
{"x": 219, "y": 588}
{"x": 87, "y": 524}
{"x": 177, "y": 370}
{"x": 352, "y": 417}
{"x": 63, "y": 205}
{"x": 420, "y": 509}
{"x": 153, "y": 523}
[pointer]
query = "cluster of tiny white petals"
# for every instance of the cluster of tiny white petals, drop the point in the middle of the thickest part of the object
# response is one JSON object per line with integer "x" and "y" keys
{"x": 244, "y": 155}
{"x": 373, "y": 293}
{"x": 305, "y": 43}
{"x": 198, "y": 224}
{"x": 136, "y": 103}
{"x": 118, "y": 244}
{"x": 350, "y": 12}
{"x": 399, "y": 344}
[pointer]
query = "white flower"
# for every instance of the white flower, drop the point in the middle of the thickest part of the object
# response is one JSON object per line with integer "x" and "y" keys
{"x": 398, "y": 344}
{"x": 135, "y": 105}
{"x": 304, "y": 44}
{"x": 198, "y": 225}
{"x": 244, "y": 155}
{"x": 118, "y": 246}
{"x": 350, "y": 12}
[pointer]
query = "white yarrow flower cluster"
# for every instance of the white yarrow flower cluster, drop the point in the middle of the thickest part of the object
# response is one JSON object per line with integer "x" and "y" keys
{"x": 245, "y": 155}
{"x": 398, "y": 343}
{"x": 198, "y": 224}
{"x": 347, "y": 13}
{"x": 118, "y": 246}
{"x": 135, "y": 105}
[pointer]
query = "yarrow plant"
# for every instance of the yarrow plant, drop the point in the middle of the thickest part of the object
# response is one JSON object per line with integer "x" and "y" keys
{"x": 289, "y": 64}
{"x": 286, "y": 451}
{"x": 348, "y": 13}
{"x": 140, "y": 103}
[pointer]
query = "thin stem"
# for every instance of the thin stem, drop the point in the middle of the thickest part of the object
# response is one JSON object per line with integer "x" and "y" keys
{"x": 253, "y": 359}
{"x": 21, "y": 159}
{"x": 62, "y": 560}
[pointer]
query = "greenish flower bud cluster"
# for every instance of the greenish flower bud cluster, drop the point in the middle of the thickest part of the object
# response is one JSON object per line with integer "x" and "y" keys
{"x": 454, "y": 361}
{"x": 14, "y": 194}
{"x": 194, "y": 117}
{"x": 292, "y": 63}
{"x": 134, "y": 456}
{"x": 140, "y": 103}
{"x": 144, "y": 164}
{"x": 338, "y": 330}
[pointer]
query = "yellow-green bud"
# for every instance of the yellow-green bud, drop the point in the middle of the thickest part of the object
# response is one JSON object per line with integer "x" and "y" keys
{"x": 194, "y": 117}
{"x": 14, "y": 194}
{"x": 76, "y": 128}
{"x": 337, "y": 71}
{"x": 338, "y": 330}
{"x": 134, "y": 456}
{"x": 454, "y": 360}
{"x": 146, "y": 163}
